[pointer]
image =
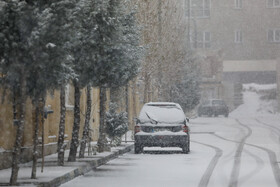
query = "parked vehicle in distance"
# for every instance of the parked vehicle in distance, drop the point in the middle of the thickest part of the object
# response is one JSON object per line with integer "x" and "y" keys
{"x": 213, "y": 107}
{"x": 161, "y": 124}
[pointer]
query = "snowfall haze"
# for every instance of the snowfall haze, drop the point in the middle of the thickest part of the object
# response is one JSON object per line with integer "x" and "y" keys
{"x": 76, "y": 77}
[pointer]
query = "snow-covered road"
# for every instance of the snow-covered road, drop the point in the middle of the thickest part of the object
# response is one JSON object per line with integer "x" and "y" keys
{"x": 242, "y": 150}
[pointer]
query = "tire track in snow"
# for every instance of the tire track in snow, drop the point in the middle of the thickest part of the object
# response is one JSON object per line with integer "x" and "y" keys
{"x": 209, "y": 171}
{"x": 237, "y": 157}
{"x": 271, "y": 127}
{"x": 259, "y": 161}
{"x": 272, "y": 156}
{"x": 265, "y": 124}
{"x": 273, "y": 162}
{"x": 258, "y": 168}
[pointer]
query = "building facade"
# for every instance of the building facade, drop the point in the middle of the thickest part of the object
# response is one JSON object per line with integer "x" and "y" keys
{"x": 246, "y": 33}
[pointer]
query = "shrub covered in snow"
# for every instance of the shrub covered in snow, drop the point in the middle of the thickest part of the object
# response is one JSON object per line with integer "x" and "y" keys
{"x": 116, "y": 124}
{"x": 266, "y": 94}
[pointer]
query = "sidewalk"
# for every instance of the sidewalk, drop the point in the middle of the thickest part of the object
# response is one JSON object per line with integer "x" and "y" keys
{"x": 54, "y": 175}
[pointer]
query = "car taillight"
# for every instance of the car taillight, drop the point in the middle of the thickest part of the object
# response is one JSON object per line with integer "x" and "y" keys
{"x": 185, "y": 128}
{"x": 137, "y": 129}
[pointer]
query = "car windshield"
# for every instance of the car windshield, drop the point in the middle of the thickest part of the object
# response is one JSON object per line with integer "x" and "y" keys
{"x": 161, "y": 114}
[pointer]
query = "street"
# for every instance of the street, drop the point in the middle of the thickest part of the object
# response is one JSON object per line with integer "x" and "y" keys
{"x": 242, "y": 150}
{"x": 224, "y": 152}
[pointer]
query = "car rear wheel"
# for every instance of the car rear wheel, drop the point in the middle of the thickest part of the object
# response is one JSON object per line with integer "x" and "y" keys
{"x": 138, "y": 149}
{"x": 186, "y": 149}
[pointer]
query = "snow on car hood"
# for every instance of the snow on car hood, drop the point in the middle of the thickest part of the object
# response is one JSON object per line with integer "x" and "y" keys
{"x": 161, "y": 114}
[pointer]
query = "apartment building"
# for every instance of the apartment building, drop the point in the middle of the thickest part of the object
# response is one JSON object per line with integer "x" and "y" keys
{"x": 243, "y": 33}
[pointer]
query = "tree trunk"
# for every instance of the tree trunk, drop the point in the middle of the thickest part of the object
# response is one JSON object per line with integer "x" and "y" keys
{"x": 41, "y": 107}
{"x": 127, "y": 107}
{"x": 35, "y": 139}
{"x": 86, "y": 126}
{"x": 20, "y": 128}
{"x": 147, "y": 88}
{"x": 60, "y": 142}
{"x": 102, "y": 137}
{"x": 76, "y": 127}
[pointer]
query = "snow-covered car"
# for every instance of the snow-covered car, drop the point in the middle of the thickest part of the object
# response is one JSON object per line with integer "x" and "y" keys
{"x": 161, "y": 124}
{"x": 213, "y": 107}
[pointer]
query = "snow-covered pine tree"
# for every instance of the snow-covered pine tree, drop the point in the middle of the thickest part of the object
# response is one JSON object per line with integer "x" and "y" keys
{"x": 51, "y": 67}
{"x": 57, "y": 66}
{"x": 82, "y": 47}
{"x": 186, "y": 90}
{"x": 13, "y": 66}
{"x": 29, "y": 56}
{"x": 116, "y": 124}
{"x": 57, "y": 38}
{"x": 105, "y": 50}
{"x": 119, "y": 52}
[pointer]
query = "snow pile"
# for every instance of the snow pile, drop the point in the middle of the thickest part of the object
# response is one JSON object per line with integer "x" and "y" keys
{"x": 258, "y": 100}
{"x": 258, "y": 87}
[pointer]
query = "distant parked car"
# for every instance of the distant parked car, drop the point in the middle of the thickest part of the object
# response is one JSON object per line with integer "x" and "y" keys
{"x": 213, "y": 107}
{"x": 161, "y": 124}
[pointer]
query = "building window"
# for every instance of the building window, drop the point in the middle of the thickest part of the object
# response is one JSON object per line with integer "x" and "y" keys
{"x": 200, "y": 40}
{"x": 238, "y": 36}
{"x": 198, "y": 8}
{"x": 238, "y": 4}
{"x": 273, "y": 35}
{"x": 273, "y": 3}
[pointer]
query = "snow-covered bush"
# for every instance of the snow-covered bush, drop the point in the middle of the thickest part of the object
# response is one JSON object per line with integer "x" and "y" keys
{"x": 266, "y": 94}
{"x": 266, "y": 91}
{"x": 116, "y": 124}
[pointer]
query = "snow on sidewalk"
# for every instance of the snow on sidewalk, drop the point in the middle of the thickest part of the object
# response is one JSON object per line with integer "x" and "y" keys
{"x": 54, "y": 175}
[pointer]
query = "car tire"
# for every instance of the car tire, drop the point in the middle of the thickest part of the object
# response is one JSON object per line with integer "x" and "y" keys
{"x": 138, "y": 149}
{"x": 185, "y": 149}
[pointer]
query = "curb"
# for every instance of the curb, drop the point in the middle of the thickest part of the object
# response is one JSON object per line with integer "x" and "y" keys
{"x": 89, "y": 165}
{"x": 85, "y": 169}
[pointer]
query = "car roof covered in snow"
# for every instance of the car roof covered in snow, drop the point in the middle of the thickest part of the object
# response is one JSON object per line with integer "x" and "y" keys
{"x": 162, "y": 112}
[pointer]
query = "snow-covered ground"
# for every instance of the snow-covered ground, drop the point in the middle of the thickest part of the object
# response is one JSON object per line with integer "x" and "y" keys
{"x": 242, "y": 150}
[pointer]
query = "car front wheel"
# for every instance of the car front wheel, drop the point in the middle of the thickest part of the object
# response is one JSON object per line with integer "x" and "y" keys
{"x": 138, "y": 149}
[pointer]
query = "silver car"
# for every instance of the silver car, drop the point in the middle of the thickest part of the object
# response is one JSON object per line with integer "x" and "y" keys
{"x": 161, "y": 124}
